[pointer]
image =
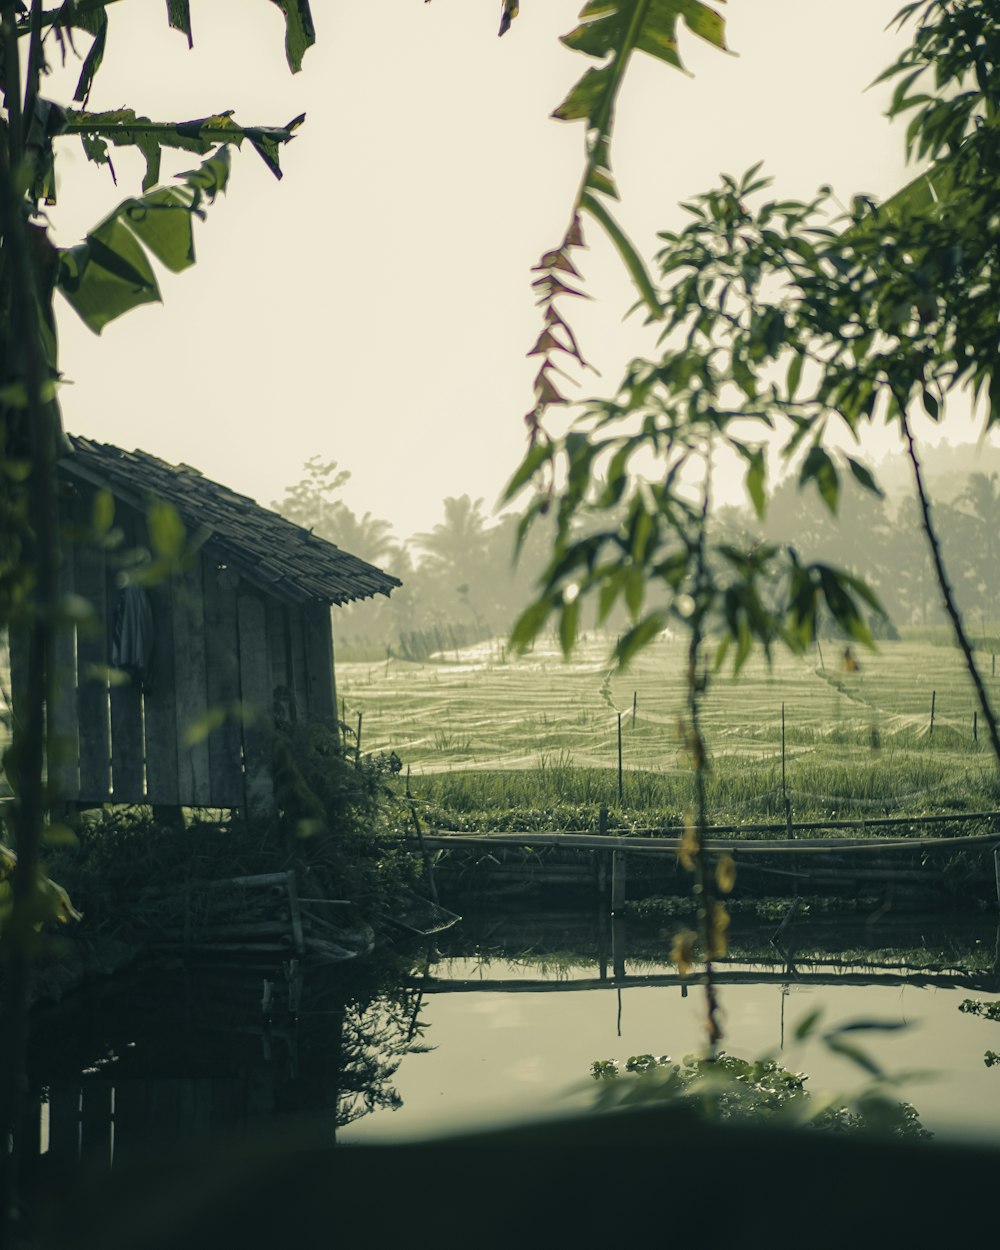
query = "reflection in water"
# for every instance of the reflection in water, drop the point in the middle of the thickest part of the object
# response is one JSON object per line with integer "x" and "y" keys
{"x": 493, "y": 1022}
{"x": 193, "y": 1053}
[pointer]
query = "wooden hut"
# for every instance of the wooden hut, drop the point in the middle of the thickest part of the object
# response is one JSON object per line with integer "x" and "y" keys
{"x": 240, "y": 637}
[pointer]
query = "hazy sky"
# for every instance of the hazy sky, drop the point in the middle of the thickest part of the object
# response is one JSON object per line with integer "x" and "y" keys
{"x": 375, "y": 306}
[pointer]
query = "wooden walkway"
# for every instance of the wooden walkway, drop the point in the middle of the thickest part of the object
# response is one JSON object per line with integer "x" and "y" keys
{"x": 853, "y": 854}
{"x": 977, "y": 982}
{"x": 669, "y": 841}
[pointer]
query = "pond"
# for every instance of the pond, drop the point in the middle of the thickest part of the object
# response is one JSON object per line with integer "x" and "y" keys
{"x": 501, "y": 1019}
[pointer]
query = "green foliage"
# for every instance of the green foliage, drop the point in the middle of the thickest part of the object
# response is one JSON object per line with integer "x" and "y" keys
{"x": 109, "y": 273}
{"x": 988, "y": 1011}
{"x": 632, "y": 534}
{"x": 729, "y": 1089}
{"x": 610, "y": 32}
{"x": 772, "y": 321}
{"x": 976, "y": 1007}
{"x": 333, "y": 812}
{"x": 47, "y": 904}
{"x": 123, "y": 128}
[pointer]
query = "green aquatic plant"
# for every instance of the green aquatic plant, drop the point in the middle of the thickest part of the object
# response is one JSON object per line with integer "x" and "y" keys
{"x": 989, "y": 1011}
{"x": 726, "y": 1088}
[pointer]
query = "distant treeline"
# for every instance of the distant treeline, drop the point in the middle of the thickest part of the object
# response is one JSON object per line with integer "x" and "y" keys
{"x": 461, "y": 584}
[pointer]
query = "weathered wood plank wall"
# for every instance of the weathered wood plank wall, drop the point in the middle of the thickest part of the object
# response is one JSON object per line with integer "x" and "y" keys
{"x": 219, "y": 643}
{"x": 299, "y": 677}
{"x": 64, "y": 731}
{"x": 319, "y": 661}
{"x": 92, "y": 659}
{"x": 255, "y": 671}
{"x": 225, "y": 743}
{"x": 191, "y": 685}
{"x": 128, "y": 781}
{"x": 160, "y": 704}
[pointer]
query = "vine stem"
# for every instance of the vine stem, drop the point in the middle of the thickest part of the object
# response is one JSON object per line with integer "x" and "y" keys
{"x": 703, "y": 876}
{"x": 945, "y": 587}
{"x": 30, "y": 724}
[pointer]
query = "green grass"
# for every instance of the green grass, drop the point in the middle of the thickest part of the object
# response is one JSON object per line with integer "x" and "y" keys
{"x": 486, "y": 733}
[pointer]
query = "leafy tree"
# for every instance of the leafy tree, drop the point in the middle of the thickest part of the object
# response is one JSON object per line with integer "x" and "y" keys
{"x": 108, "y": 273}
{"x": 312, "y": 503}
{"x": 776, "y": 325}
{"x": 455, "y": 553}
{"x": 972, "y": 542}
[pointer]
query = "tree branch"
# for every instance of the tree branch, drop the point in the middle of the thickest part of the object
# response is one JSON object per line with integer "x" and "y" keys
{"x": 945, "y": 588}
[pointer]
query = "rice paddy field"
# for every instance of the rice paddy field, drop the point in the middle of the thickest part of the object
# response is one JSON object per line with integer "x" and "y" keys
{"x": 480, "y": 728}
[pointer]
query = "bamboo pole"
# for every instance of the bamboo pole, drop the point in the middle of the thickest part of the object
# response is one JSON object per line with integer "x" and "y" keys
{"x": 618, "y": 880}
{"x": 621, "y": 790}
{"x": 428, "y": 865}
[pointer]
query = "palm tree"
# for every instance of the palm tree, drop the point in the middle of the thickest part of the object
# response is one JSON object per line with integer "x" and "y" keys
{"x": 455, "y": 555}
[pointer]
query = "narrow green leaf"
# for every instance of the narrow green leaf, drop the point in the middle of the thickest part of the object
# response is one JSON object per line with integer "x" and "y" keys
{"x": 95, "y": 55}
{"x": 179, "y": 17}
{"x": 586, "y": 98}
{"x": 704, "y": 22}
{"x": 794, "y": 374}
{"x": 820, "y": 468}
{"x": 300, "y": 33}
{"x": 756, "y": 482}
{"x": 856, "y": 1055}
{"x": 166, "y": 529}
{"x": 103, "y": 512}
{"x": 641, "y": 635}
{"x": 626, "y": 250}
{"x": 863, "y": 477}
{"x": 530, "y": 623}
{"x": 59, "y": 835}
{"x": 807, "y": 1025}
{"x": 635, "y": 590}
{"x": 569, "y": 622}
{"x": 931, "y": 405}
{"x": 871, "y": 1024}
{"x": 537, "y": 455}
{"x": 508, "y": 12}
{"x": 206, "y": 724}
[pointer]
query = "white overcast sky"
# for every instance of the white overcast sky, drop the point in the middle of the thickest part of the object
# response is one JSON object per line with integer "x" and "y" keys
{"x": 374, "y": 307}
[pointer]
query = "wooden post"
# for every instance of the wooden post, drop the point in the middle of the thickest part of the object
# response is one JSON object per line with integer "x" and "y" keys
{"x": 784, "y": 793}
{"x": 618, "y": 951}
{"x": 295, "y": 912}
{"x": 620, "y": 786}
{"x": 603, "y": 857}
{"x": 617, "y": 882}
{"x": 635, "y": 705}
{"x": 996, "y": 869}
{"x": 933, "y": 701}
{"x": 357, "y": 749}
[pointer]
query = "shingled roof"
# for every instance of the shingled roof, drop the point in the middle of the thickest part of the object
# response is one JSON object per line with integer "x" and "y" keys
{"x": 282, "y": 557}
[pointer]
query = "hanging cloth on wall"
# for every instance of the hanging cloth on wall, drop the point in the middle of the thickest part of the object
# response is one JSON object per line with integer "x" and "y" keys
{"x": 132, "y": 641}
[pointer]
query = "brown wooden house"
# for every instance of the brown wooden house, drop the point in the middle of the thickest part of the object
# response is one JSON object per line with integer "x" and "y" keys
{"x": 243, "y": 629}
